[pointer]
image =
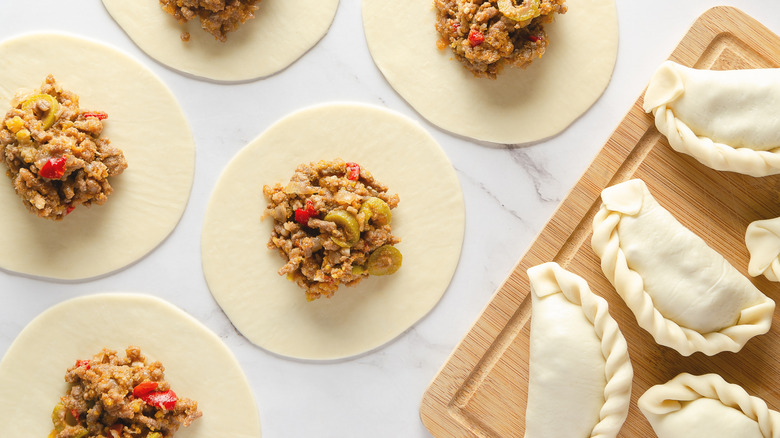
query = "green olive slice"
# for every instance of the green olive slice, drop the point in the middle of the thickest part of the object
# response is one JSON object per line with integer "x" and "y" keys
{"x": 51, "y": 114}
{"x": 58, "y": 417}
{"x": 385, "y": 260}
{"x": 376, "y": 210}
{"x": 349, "y": 227}
{"x": 527, "y": 10}
{"x": 63, "y": 418}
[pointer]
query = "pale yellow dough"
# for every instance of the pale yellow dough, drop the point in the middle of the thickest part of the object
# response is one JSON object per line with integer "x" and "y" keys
{"x": 707, "y": 406}
{"x": 725, "y": 119}
{"x": 271, "y": 311}
{"x": 579, "y": 378}
{"x": 762, "y": 239}
{"x": 521, "y": 105}
{"x": 683, "y": 292}
{"x": 144, "y": 121}
{"x": 281, "y": 32}
{"x": 197, "y": 364}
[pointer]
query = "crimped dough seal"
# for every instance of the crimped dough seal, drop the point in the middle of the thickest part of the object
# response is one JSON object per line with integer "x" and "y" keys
{"x": 684, "y": 293}
{"x": 579, "y": 365}
{"x": 762, "y": 239}
{"x": 707, "y": 407}
{"x": 727, "y": 120}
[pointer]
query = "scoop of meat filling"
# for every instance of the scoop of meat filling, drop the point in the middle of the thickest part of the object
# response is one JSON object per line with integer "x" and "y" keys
{"x": 332, "y": 226}
{"x": 113, "y": 397}
{"x": 487, "y": 34}
{"x": 54, "y": 151}
{"x": 217, "y": 17}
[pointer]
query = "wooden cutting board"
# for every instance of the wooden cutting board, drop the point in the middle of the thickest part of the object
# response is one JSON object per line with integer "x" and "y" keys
{"x": 481, "y": 390}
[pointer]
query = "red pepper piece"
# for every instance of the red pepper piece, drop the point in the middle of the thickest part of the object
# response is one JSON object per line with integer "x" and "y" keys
{"x": 161, "y": 399}
{"x": 144, "y": 388}
{"x": 455, "y": 26}
{"x": 82, "y": 363}
{"x": 98, "y": 114}
{"x": 68, "y": 211}
{"x": 75, "y": 414}
{"x": 310, "y": 209}
{"x": 475, "y": 37}
{"x": 534, "y": 38}
{"x": 353, "y": 171}
{"x": 54, "y": 168}
{"x": 302, "y": 215}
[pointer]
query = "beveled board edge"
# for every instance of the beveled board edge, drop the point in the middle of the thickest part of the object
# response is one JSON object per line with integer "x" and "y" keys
{"x": 441, "y": 410}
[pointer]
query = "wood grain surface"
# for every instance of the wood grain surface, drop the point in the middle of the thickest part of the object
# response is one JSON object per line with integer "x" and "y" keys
{"x": 481, "y": 390}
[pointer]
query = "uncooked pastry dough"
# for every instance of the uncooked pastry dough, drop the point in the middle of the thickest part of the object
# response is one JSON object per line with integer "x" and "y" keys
{"x": 579, "y": 372}
{"x": 762, "y": 239}
{"x": 144, "y": 120}
{"x": 707, "y": 407}
{"x": 681, "y": 291}
{"x": 521, "y": 105}
{"x": 727, "y": 120}
{"x": 281, "y": 32}
{"x": 197, "y": 364}
{"x": 271, "y": 311}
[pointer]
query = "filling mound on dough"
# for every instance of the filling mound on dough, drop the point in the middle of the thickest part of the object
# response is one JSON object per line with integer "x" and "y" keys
{"x": 332, "y": 225}
{"x": 217, "y": 17}
{"x": 55, "y": 155}
{"x": 487, "y": 34}
{"x": 113, "y": 397}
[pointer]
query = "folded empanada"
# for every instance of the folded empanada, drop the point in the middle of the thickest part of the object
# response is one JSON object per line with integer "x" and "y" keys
{"x": 707, "y": 407}
{"x": 684, "y": 293}
{"x": 579, "y": 372}
{"x": 727, "y": 120}
{"x": 762, "y": 239}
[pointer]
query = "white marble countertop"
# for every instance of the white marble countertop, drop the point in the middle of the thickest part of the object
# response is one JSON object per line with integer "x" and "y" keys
{"x": 510, "y": 192}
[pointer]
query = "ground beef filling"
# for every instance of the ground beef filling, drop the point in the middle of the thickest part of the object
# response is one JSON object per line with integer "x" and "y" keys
{"x": 217, "y": 17}
{"x": 332, "y": 226}
{"x": 113, "y": 397}
{"x": 484, "y": 39}
{"x": 55, "y": 155}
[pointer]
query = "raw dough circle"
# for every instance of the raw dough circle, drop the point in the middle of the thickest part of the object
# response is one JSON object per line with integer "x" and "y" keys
{"x": 281, "y": 32}
{"x": 144, "y": 121}
{"x": 271, "y": 311}
{"x": 197, "y": 364}
{"x": 521, "y": 105}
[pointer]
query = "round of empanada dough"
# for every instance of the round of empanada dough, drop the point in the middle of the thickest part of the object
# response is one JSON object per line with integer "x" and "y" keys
{"x": 520, "y": 105}
{"x": 725, "y": 119}
{"x": 281, "y": 32}
{"x": 707, "y": 406}
{"x": 580, "y": 375}
{"x": 197, "y": 364}
{"x": 684, "y": 293}
{"x": 144, "y": 121}
{"x": 271, "y": 311}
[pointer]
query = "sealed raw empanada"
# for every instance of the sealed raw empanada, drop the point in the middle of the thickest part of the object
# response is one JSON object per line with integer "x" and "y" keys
{"x": 762, "y": 239}
{"x": 727, "y": 120}
{"x": 684, "y": 293}
{"x": 707, "y": 407}
{"x": 580, "y": 376}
